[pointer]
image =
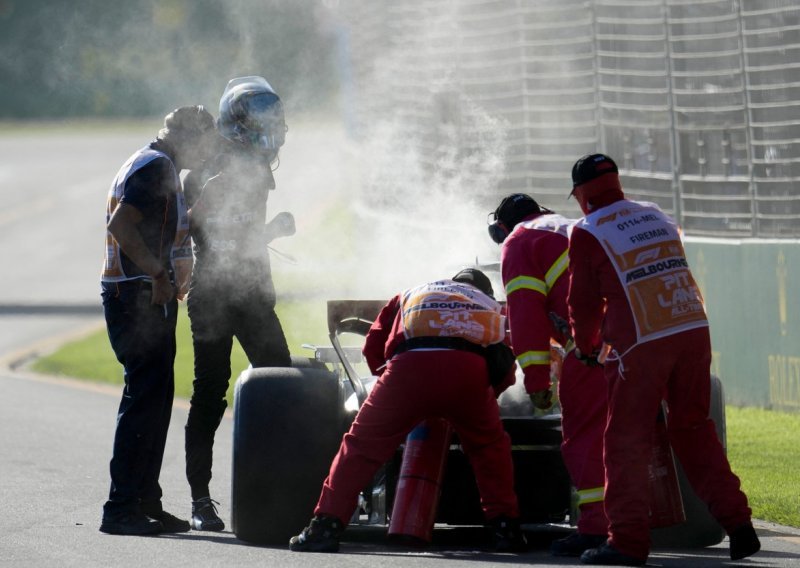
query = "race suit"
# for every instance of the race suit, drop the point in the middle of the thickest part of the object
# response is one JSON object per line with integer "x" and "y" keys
{"x": 142, "y": 334}
{"x": 534, "y": 269}
{"x": 428, "y": 382}
{"x": 631, "y": 287}
{"x": 231, "y": 295}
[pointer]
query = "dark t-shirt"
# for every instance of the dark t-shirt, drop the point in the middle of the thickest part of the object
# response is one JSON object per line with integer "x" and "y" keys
{"x": 151, "y": 190}
{"x": 228, "y": 220}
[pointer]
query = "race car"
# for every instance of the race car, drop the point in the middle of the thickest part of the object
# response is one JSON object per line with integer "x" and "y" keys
{"x": 289, "y": 422}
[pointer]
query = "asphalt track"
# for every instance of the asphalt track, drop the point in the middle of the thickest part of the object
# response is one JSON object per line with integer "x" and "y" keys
{"x": 56, "y": 433}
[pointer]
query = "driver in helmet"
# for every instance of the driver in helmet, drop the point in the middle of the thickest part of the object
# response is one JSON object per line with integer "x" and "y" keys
{"x": 231, "y": 292}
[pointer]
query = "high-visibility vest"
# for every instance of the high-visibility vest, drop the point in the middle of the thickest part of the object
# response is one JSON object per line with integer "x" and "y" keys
{"x": 645, "y": 249}
{"x": 181, "y": 248}
{"x": 451, "y": 309}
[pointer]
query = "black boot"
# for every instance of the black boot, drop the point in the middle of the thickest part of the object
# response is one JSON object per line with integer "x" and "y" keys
{"x": 607, "y": 555}
{"x": 321, "y": 535}
{"x": 576, "y": 543}
{"x": 744, "y": 542}
{"x": 507, "y": 536}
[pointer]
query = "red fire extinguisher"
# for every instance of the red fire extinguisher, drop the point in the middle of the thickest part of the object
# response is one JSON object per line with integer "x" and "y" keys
{"x": 420, "y": 481}
{"x": 666, "y": 502}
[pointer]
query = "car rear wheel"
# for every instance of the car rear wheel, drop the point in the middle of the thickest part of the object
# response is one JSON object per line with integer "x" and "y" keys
{"x": 700, "y": 528}
{"x": 287, "y": 426}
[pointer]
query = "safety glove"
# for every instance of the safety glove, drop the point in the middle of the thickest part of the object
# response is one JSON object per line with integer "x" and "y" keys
{"x": 588, "y": 360}
{"x": 542, "y": 399}
{"x": 282, "y": 225}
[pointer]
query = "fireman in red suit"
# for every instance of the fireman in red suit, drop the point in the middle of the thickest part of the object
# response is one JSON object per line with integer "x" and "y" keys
{"x": 631, "y": 289}
{"x": 425, "y": 345}
{"x": 534, "y": 267}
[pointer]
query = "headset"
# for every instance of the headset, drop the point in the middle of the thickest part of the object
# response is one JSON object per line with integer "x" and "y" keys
{"x": 512, "y": 210}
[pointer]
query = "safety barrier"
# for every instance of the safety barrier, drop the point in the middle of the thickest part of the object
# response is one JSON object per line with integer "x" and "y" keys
{"x": 752, "y": 293}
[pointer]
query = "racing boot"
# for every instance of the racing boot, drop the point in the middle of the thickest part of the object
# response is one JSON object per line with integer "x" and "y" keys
{"x": 507, "y": 536}
{"x": 744, "y": 542}
{"x": 576, "y": 543}
{"x": 321, "y": 535}
{"x": 204, "y": 515}
{"x": 607, "y": 555}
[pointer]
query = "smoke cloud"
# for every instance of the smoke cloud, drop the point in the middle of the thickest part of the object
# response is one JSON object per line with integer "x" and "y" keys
{"x": 414, "y": 200}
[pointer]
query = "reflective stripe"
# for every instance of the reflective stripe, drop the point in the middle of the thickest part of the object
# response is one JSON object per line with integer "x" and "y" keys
{"x": 558, "y": 268}
{"x": 526, "y": 283}
{"x": 537, "y": 285}
{"x": 593, "y": 495}
{"x": 534, "y": 358}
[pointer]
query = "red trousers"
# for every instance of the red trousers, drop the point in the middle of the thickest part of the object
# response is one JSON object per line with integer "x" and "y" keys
{"x": 417, "y": 385}
{"x": 676, "y": 368}
{"x": 582, "y": 392}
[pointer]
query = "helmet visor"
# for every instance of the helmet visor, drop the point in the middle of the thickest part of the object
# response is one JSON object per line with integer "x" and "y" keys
{"x": 260, "y": 111}
{"x": 261, "y": 121}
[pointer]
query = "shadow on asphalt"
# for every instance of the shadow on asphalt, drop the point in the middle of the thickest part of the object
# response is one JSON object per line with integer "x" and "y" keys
{"x": 84, "y": 309}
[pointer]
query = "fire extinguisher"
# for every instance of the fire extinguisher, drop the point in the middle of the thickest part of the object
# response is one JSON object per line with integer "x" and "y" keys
{"x": 420, "y": 481}
{"x": 666, "y": 501}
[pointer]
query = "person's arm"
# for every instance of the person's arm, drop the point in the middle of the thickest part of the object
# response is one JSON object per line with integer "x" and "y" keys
{"x": 281, "y": 225}
{"x": 526, "y": 299}
{"x": 200, "y": 201}
{"x": 510, "y": 377}
{"x": 123, "y": 227}
{"x": 585, "y": 301}
{"x": 181, "y": 255}
{"x": 375, "y": 343}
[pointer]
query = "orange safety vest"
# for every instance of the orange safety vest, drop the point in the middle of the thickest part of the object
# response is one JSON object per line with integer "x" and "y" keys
{"x": 646, "y": 251}
{"x": 451, "y": 309}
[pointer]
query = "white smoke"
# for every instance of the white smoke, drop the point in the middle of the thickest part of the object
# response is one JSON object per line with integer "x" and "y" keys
{"x": 405, "y": 199}
{"x": 422, "y": 222}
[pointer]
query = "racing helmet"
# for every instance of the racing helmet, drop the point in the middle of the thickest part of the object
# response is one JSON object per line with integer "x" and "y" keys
{"x": 512, "y": 210}
{"x": 251, "y": 113}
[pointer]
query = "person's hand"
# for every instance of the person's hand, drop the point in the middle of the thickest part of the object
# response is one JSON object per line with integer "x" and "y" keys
{"x": 588, "y": 360}
{"x": 282, "y": 225}
{"x": 162, "y": 289}
{"x": 543, "y": 399}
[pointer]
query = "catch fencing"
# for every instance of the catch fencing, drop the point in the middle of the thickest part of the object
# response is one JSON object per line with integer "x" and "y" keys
{"x": 697, "y": 100}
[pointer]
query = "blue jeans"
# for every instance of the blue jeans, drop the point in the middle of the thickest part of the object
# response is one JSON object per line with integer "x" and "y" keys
{"x": 143, "y": 338}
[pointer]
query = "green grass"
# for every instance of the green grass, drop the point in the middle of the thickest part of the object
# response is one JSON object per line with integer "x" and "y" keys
{"x": 92, "y": 358}
{"x": 763, "y": 451}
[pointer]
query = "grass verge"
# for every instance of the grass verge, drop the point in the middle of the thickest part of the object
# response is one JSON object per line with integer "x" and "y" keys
{"x": 763, "y": 451}
{"x": 92, "y": 358}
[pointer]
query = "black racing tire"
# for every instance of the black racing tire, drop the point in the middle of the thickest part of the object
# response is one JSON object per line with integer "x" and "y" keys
{"x": 306, "y": 363}
{"x": 287, "y": 426}
{"x": 700, "y": 529}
